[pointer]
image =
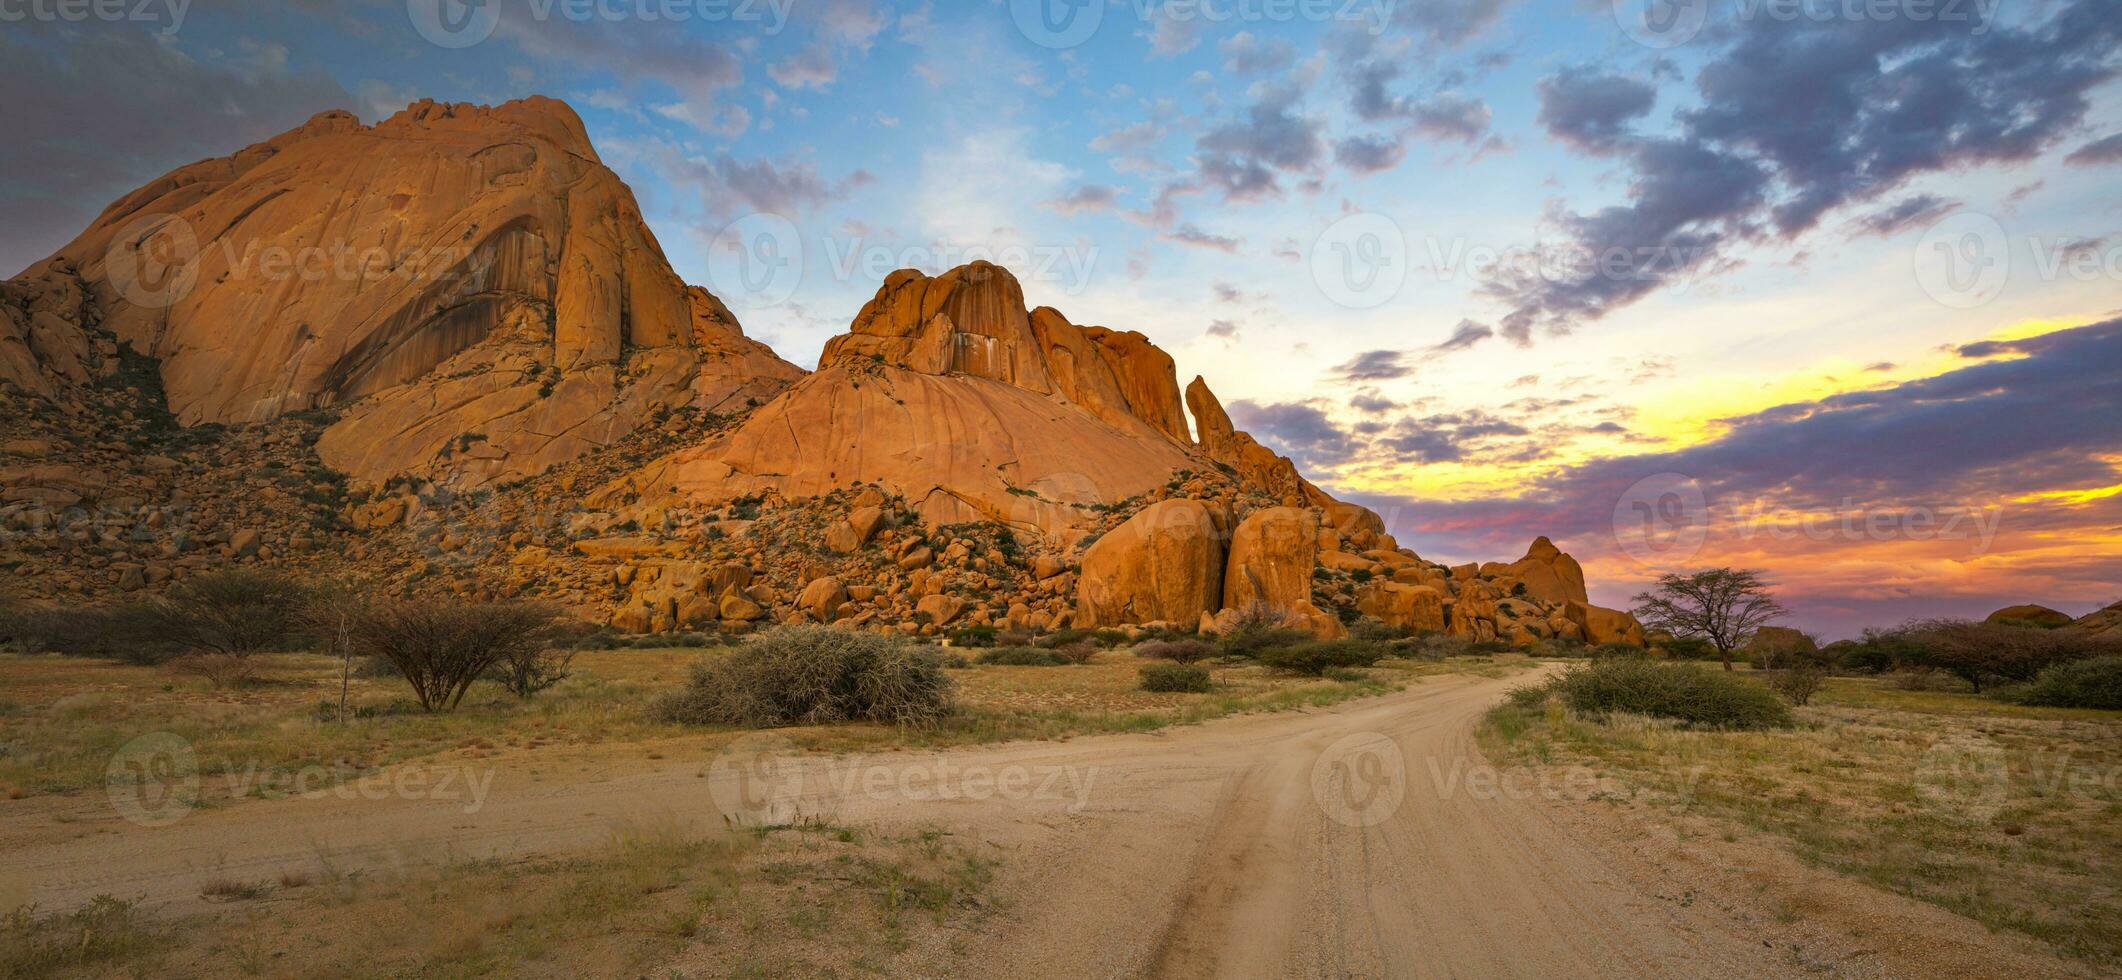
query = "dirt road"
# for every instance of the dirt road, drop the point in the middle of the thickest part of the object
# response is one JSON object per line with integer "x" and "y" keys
{"x": 1367, "y": 840}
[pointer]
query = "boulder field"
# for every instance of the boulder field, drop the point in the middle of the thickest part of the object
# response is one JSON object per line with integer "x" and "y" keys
{"x": 444, "y": 353}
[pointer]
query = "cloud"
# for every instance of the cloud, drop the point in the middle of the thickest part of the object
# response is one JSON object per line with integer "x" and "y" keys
{"x": 2033, "y": 416}
{"x": 809, "y": 68}
{"x": 1188, "y": 234}
{"x": 692, "y": 65}
{"x": 1593, "y": 110}
{"x": 1222, "y": 330}
{"x": 1797, "y": 119}
{"x": 1450, "y": 23}
{"x": 93, "y": 115}
{"x": 1376, "y": 365}
{"x": 1170, "y": 36}
{"x": 726, "y": 120}
{"x": 1087, "y": 197}
{"x": 1369, "y": 154}
{"x": 1245, "y": 54}
{"x": 1465, "y": 335}
{"x": 1908, "y": 213}
{"x": 1243, "y": 157}
{"x": 1297, "y": 430}
{"x": 2100, "y": 151}
{"x": 729, "y": 186}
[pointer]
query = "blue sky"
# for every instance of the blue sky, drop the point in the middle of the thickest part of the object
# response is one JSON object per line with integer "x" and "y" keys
{"x": 1206, "y": 173}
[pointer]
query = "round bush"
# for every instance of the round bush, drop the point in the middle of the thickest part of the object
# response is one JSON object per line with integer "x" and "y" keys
{"x": 795, "y": 675}
{"x": 1175, "y": 678}
{"x": 1681, "y": 691}
{"x": 2095, "y": 683}
{"x": 1313, "y": 659}
{"x": 1021, "y": 657}
{"x": 1178, "y": 651}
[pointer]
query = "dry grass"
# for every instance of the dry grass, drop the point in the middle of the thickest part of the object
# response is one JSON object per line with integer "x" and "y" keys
{"x": 65, "y": 718}
{"x": 807, "y": 900}
{"x": 2002, "y": 813}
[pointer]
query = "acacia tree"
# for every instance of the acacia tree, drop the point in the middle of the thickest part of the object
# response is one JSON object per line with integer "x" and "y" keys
{"x": 1722, "y": 605}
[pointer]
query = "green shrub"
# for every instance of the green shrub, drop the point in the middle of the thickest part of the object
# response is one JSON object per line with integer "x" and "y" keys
{"x": 1346, "y": 675}
{"x": 1377, "y": 631}
{"x": 440, "y": 646}
{"x": 1316, "y": 657}
{"x": 128, "y": 632}
{"x": 1683, "y": 692}
{"x": 1175, "y": 678}
{"x": 1985, "y": 654}
{"x": 237, "y": 612}
{"x": 1178, "y": 651}
{"x": 2094, "y": 683}
{"x": 1690, "y": 648}
{"x": 1071, "y": 637}
{"x": 802, "y": 675}
{"x": 1020, "y": 657}
{"x": 1611, "y": 651}
{"x": 1258, "y": 628}
{"x": 974, "y": 636}
{"x": 1797, "y": 685}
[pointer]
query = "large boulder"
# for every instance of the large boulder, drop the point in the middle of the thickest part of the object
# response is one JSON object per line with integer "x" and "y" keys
{"x": 1272, "y": 553}
{"x": 1415, "y": 607}
{"x": 2103, "y": 622}
{"x": 2029, "y": 615}
{"x": 1165, "y": 564}
{"x": 1549, "y": 574}
{"x": 1602, "y": 625}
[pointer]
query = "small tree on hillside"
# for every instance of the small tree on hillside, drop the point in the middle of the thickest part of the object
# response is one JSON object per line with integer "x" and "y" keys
{"x": 1723, "y": 605}
{"x": 235, "y": 613}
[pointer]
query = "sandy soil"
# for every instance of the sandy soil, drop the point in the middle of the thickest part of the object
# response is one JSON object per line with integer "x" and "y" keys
{"x": 1365, "y": 840}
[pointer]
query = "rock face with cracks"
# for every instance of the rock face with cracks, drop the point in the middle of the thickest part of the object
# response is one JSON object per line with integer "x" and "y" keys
{"x": 468, "y": 286}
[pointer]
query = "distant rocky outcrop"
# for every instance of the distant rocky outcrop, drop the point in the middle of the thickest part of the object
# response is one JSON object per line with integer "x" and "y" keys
{"x": 470, "y": 286}
{"x": 2105, "y": 622}
{"x": 947, "y": 390}
{"x": 2028, "y": 614}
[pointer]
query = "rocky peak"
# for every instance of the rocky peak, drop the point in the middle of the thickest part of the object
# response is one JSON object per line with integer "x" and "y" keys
{"x": 456, "y": 275}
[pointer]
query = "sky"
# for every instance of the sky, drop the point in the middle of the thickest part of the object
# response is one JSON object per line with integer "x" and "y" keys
{"x": 1822, "y": 288}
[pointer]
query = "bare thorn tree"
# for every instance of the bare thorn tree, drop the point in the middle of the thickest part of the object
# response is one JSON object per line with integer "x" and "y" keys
{"x": 1723, "y": 605}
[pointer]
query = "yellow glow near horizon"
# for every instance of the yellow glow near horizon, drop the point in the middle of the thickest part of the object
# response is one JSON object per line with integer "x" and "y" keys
{"x": 1686, "y": 411}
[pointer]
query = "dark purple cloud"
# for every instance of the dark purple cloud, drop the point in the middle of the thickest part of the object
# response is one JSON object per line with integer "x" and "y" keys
{"x": 1591, "y": 109}
{"x": 1798, "y": 118}
{"x": 2099, "y": 151}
